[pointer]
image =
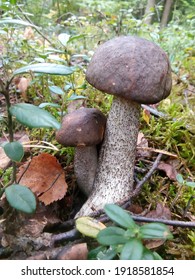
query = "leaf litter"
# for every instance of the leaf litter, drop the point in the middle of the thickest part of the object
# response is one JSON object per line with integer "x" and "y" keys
{"x": 45, "y": 177}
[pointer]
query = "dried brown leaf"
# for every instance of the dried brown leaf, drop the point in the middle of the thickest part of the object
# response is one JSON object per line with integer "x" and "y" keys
{"x": 29, "y": 33}
{"x": 45, "y": 177}
{"x": 142, "y": 143}
{"x": 22, "y": 85}
{"x": 161, "y": 212}
{"x": 74, "y": 252}
{"x": 169, "y": 169}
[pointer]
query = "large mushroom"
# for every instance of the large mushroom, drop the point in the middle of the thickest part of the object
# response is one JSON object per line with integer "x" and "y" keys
{"x": 83, "y": 129}
{"x": 135, "y": 71}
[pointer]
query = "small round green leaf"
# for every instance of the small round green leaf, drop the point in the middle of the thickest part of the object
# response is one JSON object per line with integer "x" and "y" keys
{"x": 119, "y": 216}
{"x": 112, "y": 236}
{"x": 21, "y": 198}
{"x": 14, "y": 150}
{"x": 179, "y": 178}
{"x": 33, "y": 117}
{"x": 155, "y": 230}
{"x": 132, "y": 250}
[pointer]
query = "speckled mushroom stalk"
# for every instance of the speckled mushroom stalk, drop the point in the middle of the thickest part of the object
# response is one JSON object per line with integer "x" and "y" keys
{"x": 85, "y": 166}
{"x": 136, "y": 71}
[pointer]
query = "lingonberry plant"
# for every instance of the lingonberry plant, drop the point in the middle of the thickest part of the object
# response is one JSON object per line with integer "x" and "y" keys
{"x": 123, "y": 240}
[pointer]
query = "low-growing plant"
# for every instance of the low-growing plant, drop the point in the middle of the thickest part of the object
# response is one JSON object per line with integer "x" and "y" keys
{"x": 189, "y": 184}
{"x": 29, "y": 115}
{"x": 125, "y": 239}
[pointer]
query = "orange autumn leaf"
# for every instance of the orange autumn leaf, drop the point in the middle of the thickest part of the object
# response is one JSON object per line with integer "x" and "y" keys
{"x": 45, "y": 177}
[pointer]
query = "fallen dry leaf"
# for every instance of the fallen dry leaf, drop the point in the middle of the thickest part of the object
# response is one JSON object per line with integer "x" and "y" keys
{"x": 142, "y": 143}
{"x": 169, "y": 169}
{"x": 146, "y": 116}
{"x": 29, "y": 33}
{"x": 45, "y": 177}
{"x": 73, "y": 252}
{"x": 161, "y": 212}
{"x": 22, "y": 85}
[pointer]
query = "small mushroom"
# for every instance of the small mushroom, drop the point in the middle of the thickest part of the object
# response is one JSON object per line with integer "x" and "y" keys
{"x": 135, "y": 71}
{"x": 83, "y": 129}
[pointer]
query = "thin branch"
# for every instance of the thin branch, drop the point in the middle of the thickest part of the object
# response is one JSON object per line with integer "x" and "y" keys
{"x": 142, "y": 219}
{"x": 154, "y": 111}
{"x": 65, "y": 236}
{"x": 147, "y": 176}
{"x": 38, "y": 31}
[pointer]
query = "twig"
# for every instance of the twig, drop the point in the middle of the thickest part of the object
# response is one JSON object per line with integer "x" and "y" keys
{"x": 154, "y": 111}
{"x": 65, "y": 236}
{"x": 155, "y": 220}
{"x": 147, "y": 176}
{"x": 29, "y": 20}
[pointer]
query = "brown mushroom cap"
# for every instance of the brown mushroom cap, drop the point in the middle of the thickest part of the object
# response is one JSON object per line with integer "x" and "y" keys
{"x": 131, "y": 67}
{"x": 82, "y": 127}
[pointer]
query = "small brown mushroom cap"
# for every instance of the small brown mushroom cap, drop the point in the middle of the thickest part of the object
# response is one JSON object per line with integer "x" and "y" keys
{"x": 131, "y": 67}
{"x": 82, "y": 127}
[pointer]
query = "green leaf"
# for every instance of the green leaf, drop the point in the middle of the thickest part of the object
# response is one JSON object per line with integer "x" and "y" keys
{"x": 56, "y": 90}
{"x": 17, "y": 21}
{"x": 92, "y": 255}
{"x": 33, "y": 117}
{"x": 102, "y": 253}
{"x": 132, "y": 250}
{"x": 147, "y": 254}
{"x": 46, "y": 68}
{"x": 155, "y": 230}
{"x": 190, "y": 184}
{"x": 21, "y": 198}
{"x": 14, "y": 150}
{"x": 111, "y": 236}
{"x": 76, "y": 37}
{"x": 13, "y": 2}
{"x": 75, "y": 97}
{"x": 156, "y": 256}
{"x": 180, "y": 179}
{"x": 119, "y": 216}
{"x": 107, "y": 253}
{"x": 46, "y": 104}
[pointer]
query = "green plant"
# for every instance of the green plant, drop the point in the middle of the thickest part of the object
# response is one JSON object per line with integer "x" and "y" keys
{"x": 29, "y": 115}
{"x": 125, "y": 240}
{"x": 190, "y": 184}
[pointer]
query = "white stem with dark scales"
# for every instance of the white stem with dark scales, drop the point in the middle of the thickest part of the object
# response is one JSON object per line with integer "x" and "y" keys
{"x": 85, "y": 165}
{"x": 115, "y": 172}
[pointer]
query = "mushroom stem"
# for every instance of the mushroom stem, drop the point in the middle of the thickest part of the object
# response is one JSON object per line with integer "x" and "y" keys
{"x": 85, "y": 165}
{"x": 114, "y": 176}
